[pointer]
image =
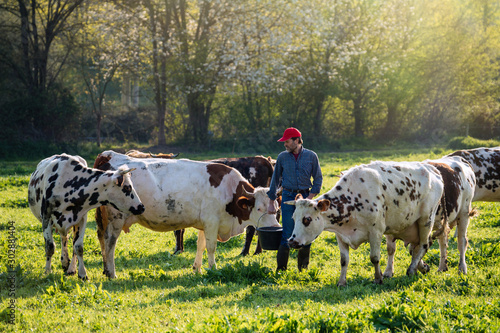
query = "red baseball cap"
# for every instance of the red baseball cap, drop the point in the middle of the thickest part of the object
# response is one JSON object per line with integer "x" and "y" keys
{"x": 291, "y": 132}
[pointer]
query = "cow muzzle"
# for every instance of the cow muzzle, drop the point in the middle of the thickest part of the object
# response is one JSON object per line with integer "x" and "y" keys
{"x": 139, "y": 210}
{"x": 294, "y": 244}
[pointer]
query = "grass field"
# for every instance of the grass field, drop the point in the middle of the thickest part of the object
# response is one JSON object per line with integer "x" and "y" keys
{"x": 156, "y": 291}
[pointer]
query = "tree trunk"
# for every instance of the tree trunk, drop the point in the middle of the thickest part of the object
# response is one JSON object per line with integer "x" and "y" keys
{"x": 319, "y": 102}
{"x": 391, "y": 129}
{"x": 98, "y": 120}
{"x": 358, "y": 118}
{"x": 199, "y": 114}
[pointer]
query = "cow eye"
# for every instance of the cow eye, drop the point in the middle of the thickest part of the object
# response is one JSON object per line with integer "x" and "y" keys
{"x": 306, "y": 221}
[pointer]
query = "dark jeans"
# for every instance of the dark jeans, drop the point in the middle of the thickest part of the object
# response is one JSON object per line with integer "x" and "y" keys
{"x": 287, "y": 213}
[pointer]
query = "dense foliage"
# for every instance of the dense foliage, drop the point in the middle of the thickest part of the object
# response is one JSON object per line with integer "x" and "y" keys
{"x": 241, "y": 71}
{"x": 157, "y": 291}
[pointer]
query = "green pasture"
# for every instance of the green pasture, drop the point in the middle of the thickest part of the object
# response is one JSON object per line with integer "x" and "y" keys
{"x": 156, "y": 291}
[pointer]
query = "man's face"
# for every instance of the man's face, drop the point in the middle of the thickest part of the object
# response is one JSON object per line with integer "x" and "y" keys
{"x": 291, "y": 145}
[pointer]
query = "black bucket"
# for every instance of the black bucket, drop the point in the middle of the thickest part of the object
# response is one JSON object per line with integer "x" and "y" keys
{"x": 270, "y": 237}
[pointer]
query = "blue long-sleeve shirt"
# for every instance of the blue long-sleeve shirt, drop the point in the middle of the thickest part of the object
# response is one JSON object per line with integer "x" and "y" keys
{"x": 296, "y": 174}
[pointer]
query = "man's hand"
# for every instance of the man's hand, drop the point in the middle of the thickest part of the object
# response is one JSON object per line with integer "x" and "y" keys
{"x": 311, "y": 195}
{"x": 271, "y": 209}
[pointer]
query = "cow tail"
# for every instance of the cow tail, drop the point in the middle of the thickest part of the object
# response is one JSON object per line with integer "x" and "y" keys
{"x": 101, "y": 219}
{"x": 473, "y": 212}
{"x": 444, "y": 220}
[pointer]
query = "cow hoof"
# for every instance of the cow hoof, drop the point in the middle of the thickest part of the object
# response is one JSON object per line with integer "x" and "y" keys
{"x": 257, "y": 252}
{"x": 424, "y": 269}
{"x": 109, "y": 275}
{"x": 83, "y": 278}
{"x": 70, "y": 273}
{"x": 387, "y": 275}
{"x": 411, "y": 272}
{"x": 443, "y": 269}
{"x": 178, "y": 252}
{"x": 244, "y": 253}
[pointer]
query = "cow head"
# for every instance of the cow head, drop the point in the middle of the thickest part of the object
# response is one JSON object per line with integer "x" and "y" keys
{"x": 256, "y": 204}
{"x": 309, "y": 221}
{"x": 123, "y": 195}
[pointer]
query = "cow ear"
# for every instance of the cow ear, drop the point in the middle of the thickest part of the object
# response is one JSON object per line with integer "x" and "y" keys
{"x": 119, "y": 180}
{"x": 245, "y": 203}
{"x": 298, "y": 196}
{"x": 323, "y": 205}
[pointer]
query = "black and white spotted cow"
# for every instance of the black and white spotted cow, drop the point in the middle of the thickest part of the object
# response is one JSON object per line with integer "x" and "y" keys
{"x": 486, "y": 165}
{"x": 60, "y": 193}
{"x": 459, "y": 183}
{"x": 392, "y": 198}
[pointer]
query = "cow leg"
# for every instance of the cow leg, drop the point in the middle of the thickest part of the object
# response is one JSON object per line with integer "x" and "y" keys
{"x": 78, "y": 247}
{"x": 391, "y": 250}
{"x": 179, "y": 241}
{"x": 211, "y": 245}
{"x": 64, "y": 250}
{"x": 49, "y": 243}
{"x": 375, "y": 243}
{"x": 418, "y": 252}
{"x": 110, "y": 238}
{"x": 200, "y": 248}
{"x": 344, "y": 262}
{"x": 423, "y": 267}
{"x": 72, "y": 266}
{"x": 462, "y": 242}
{"x": 258, "y": 248}
{"x": 101, "y": 219}
{"x": 443, "y": 251}
{"x": 250, "y": 231}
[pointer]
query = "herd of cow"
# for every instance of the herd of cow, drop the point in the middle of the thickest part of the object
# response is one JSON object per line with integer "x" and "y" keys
{"x": 416, "y": 202}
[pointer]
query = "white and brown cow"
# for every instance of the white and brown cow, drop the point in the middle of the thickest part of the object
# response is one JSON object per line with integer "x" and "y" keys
{"x": 258, "y": 170}
{"x": 177, "y": 194}
{"x": 486, "y": 165}
{"x": 392, "y": 198}
{"x": 60, "y": 193}
{"x": 459, "y": 183}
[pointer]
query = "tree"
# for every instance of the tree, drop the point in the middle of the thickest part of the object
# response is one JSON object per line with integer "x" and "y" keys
{"x": 108, "y": 45}
{"x": 160, "y": 25}
{"x": 34, "y": 63}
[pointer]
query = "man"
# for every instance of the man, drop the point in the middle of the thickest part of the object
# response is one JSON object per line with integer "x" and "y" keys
{"x": 294, "y": 169}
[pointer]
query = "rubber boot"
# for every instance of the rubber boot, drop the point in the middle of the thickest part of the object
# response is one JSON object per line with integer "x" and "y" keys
{"x": 303, "y": 257}
{"x": 282, "y": 257}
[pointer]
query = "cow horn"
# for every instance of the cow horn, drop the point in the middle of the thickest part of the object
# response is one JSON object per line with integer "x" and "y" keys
{"x": 175, "y": 155}
{"x": 291, "y": 202}
{"x": 250, "y": 194}
{"x": 151, "y": 154}
{"x": 122, "y": 172}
